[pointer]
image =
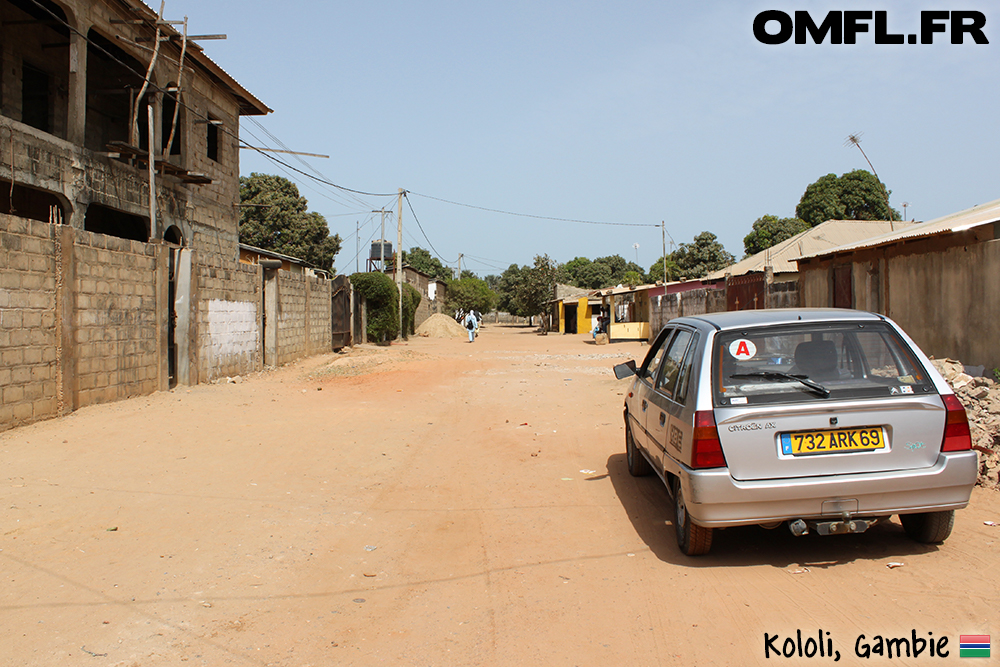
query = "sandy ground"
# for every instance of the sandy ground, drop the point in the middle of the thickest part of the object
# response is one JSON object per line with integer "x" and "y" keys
{"x": 433, "y": 503}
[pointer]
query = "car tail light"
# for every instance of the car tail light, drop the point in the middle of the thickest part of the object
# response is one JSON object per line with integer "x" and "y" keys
{"x": 706, "y": 449}
{"x": 956, "y": 426}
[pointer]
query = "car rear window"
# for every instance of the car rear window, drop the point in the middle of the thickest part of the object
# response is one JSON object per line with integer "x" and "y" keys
{"x": 797, "y": 363}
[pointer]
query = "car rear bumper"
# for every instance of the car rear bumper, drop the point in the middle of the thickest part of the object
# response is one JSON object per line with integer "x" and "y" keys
{"x": 715, "y": 499}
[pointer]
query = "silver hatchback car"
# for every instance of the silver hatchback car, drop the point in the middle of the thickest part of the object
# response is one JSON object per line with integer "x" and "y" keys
{"x": 830, "y": 420}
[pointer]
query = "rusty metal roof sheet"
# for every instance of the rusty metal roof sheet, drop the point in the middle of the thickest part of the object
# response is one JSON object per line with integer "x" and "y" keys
{"x": 825, "y": 236}
{"x": 956, "y": 222}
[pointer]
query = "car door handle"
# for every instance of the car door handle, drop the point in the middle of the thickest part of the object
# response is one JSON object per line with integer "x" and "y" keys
{"x": 663, "y": 419}
{"x": 644, "y": 404}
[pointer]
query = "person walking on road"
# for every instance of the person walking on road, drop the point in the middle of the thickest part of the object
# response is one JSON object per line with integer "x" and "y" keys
{"x": 470, "y": 324}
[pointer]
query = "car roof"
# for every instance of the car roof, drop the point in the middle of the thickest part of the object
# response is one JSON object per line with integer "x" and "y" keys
{"x": 772, "y": 316}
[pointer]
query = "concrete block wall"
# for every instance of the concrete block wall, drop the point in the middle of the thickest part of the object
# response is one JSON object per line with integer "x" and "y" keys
{"x": 29, "y": 338}
{"x": 115, "y": 318}
{"x": 291, "y": 317}
{"x": 320, "y": 331}
{"x": 229, "y": 318}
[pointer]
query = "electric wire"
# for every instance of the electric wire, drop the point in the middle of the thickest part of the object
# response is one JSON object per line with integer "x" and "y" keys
{"x": 536, "y": 217}
{"x": 317, "y": 178}
{"x": 417, "y": 220}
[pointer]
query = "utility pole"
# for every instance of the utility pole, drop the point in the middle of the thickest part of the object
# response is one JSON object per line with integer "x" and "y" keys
{"x": 357, "y": 245}
{"x": 663, "y": 237}
{"x": 399, "y": 257}
{"x": 381, "y": 242}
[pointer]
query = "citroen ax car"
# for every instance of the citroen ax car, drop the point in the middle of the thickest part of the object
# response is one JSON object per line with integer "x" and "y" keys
{"x": 827, "y": 420}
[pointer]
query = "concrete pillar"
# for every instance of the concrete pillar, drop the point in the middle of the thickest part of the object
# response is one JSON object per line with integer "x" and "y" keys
{"x": 184, "y": 308}
{"x": 66, "y": 304}
{"x": 76, "y": 122}
{"x": 270, "y": 317}
{"x": 162, "y": 288}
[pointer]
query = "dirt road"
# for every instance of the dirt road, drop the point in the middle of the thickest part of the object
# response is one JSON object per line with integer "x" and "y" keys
{"x": 434, "y": 503}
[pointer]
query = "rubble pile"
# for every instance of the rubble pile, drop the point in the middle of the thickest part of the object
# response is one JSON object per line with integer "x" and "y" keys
{"x": 981, "y": 398}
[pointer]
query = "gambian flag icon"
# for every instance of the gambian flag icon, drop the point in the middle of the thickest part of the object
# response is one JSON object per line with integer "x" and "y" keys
{"x": 974, "y": 646}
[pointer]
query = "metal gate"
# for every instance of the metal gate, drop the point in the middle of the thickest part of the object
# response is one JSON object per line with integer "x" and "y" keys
{"x": 745, "y": 292}
{"x": 340, "y": 312}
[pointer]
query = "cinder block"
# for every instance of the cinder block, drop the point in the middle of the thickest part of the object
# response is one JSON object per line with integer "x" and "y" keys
{"x": 32, "y": 318}
{"x": 18, "y": 261}
{"x": 33, "y": 355}
{"x": 44, "y": 407}
{"x": 22, "y": 411}
{"x": 10, "y": 280}
{"x": 13, "y": 394}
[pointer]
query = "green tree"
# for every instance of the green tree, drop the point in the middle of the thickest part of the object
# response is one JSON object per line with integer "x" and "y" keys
{"x": 857, "y": 195}
{"x": 524, "y": 291}
{"x": 470, "y": 294}
{"x": 633, "y": 278}
{"x": 382, "y": 297}
{"x": 769, "y": 230}
{"x": 656, "y": 270}
{"x": 507, "y": 289}
{"x": 569, "y": 273}
{"x": 701, "y": 257}
{"x": 539, "y": 286}
{"x": 423, "y": 261}
{"x": 593, "y": 276}
{"x": 411, "y": 299}
{"x": 275, "y": 217}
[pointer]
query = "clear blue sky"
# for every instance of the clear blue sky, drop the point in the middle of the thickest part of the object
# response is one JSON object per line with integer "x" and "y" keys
{"x": 628, "y": 112}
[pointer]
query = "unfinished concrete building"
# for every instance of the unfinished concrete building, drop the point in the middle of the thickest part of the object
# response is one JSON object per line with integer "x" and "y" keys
{"x": 119, "y": 185}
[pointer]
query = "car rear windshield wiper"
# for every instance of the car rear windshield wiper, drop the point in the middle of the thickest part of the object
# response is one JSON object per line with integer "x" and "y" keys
{"x": 777, "y": 375}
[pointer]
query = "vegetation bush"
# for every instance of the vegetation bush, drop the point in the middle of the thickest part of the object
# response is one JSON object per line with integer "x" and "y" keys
{"x": 382, "y": 298}
{"x": 411, "y": 299}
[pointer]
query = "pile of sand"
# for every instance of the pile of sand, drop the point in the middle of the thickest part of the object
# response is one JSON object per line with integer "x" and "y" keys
{"x": 441, "y": 326}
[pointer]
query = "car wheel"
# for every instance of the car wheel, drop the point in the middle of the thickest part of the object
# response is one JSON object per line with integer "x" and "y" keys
{"x": 638, "y": 466}
{"x": 693, "y": 540}
{"x": 928, "y": 527}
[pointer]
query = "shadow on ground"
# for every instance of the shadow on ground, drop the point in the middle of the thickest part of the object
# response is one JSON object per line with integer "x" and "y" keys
{"x": 650, "y": 509}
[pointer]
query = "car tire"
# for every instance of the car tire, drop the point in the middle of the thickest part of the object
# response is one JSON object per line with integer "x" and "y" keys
{"x": 638, "y": 466}
{"x": 693, "y": 540}
{"x": 928, "y": 527}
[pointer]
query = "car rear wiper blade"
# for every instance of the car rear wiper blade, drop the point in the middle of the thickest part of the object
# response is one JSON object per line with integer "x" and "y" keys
{"x": 777, "y": 375}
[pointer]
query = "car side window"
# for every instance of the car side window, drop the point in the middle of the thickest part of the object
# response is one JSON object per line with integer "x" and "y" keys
{"x": 672, "y": 363}
{"x": 655, "y": 356}
{"x": 685, "y": 377}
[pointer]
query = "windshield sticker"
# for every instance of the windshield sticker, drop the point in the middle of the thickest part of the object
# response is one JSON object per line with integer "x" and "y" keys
{"x": 738, "y": 400}
{"x": 743, "y": 349}
{"x": 906, "y": 389}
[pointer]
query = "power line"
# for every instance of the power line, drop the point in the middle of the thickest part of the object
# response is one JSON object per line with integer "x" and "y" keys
{"x": 537, "y": 217}
{"x": 417, "y": 220}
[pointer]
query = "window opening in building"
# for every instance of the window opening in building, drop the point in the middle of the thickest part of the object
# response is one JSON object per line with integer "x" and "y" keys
{"x": 36, "y": 46}
{"x": 28, "y": 202}
{"x": 173, "y": 235}
{"x": 103, "y": 220}
{"x": 213, "y": 138}
{"x": 35, "y": 99}
{"x": 167, "y": 124}
{"x": 111, "y": 89}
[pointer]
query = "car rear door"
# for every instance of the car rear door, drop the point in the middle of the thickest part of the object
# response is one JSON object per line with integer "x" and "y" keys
{"x": 643, "y": 388}
{"x": 667, "y": 399}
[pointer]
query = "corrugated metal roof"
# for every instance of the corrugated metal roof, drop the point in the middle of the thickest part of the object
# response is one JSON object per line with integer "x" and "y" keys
{"x": 830, "y": 234}
{"x": 956, "y": 222}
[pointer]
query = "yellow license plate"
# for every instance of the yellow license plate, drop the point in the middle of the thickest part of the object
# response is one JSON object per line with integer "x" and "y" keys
{"x": 805, "y": 443}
